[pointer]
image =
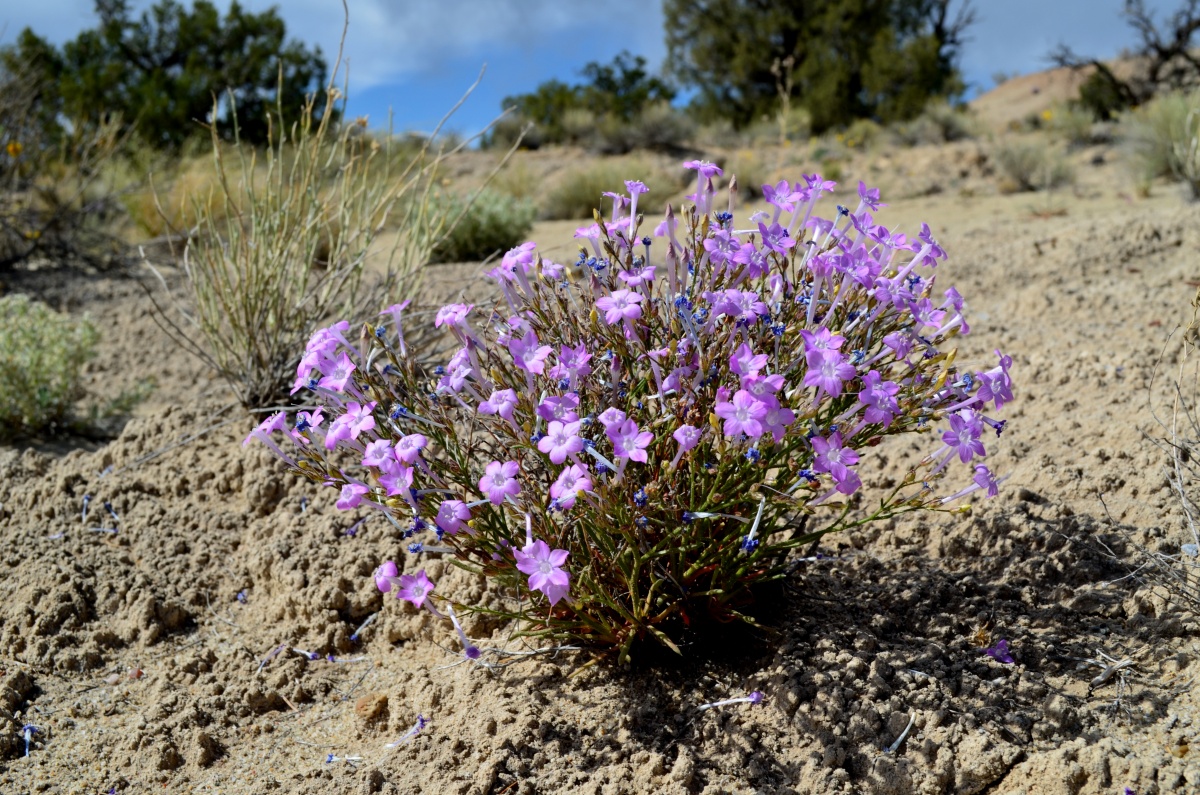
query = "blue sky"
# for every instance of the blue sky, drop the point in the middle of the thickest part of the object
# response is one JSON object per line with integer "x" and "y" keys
{"x": 416, "y": 57}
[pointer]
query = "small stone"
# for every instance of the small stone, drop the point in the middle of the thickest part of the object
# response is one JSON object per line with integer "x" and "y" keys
{"x": 371, "y": 706}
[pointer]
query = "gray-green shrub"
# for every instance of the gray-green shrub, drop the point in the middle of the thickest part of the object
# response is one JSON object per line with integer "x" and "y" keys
{"x": 41, "y": 355}
{"x": 1032, "y": 165}
{"x": 493, "y": 222}
{"x": 1162, "y": 136}
{"x": 578, "y": 191}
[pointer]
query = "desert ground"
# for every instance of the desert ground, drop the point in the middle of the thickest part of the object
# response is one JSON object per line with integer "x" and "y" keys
{"x": 143, "y": 669}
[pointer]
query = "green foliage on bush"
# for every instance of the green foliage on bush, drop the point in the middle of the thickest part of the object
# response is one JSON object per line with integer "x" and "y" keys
{"x": 1031, "y": 166}
{"x": 476, "y": 229}
{"x": 41, "y": 355}
{"x": 1164, "y": 137}
{"x": 161, "y": 70}
{"x": 618, "y": 108}
{"x": 1101, "y": 97}
{"x": 883, "y": 60}
{"x": 578, "y": 191}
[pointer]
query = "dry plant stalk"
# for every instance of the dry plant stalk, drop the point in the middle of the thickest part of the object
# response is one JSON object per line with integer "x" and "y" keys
{"x": 1177, "y": 575}
{"x": 285, "y": 245}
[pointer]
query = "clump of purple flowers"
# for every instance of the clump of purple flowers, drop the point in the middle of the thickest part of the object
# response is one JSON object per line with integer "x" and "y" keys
{"x": 631, "y": 441}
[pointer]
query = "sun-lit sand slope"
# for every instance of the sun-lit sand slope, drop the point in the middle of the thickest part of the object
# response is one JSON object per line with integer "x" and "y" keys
{"x": 1083, "y": 288}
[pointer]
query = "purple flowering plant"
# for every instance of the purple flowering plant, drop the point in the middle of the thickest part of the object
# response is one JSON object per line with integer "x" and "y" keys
{"x": 629, "y": 449}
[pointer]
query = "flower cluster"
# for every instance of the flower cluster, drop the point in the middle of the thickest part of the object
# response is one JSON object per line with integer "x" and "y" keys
{"x": 629, "y": 442}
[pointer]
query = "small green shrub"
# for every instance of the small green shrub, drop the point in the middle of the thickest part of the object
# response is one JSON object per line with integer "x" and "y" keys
{"x": 1073, "y": 123}
{"x": 578, "y": 191}
{"x": 41, "y": 355}
{"x": 1032, "y": 165}
{"x": 1163, "y": 138}
{"x": 861, "y": 134}
{"x": 477, "y": 229}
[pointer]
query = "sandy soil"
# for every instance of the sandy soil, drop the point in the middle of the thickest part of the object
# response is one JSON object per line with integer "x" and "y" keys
{"x": 1084, "y": 289}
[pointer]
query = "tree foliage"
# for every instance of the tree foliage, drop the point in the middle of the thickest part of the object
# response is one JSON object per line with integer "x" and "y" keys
{"x": 1165, "y": 60}
{"x": 881, "y": 59}
{"x": 164, "y": 70}
{"x": 617, "y": 92}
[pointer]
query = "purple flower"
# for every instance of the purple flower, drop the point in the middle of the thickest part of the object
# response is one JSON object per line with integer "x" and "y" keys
{"x": 879, "y": 397}
{"x": 561, "y": 440}
{"x": 985, "y": 480}
{"x": 869, "y": 197}
{"x": 544, "y": 567}
{"x": 352, "y": 494}
{"x": 688, "y": 437}
{"x": 763, "y": 388}
{"x": 453, "y": 516}
{"x": 776, "y": 238}
{"x": 385, "y": 575}
{"x": 827, "y": 371}
{"x": 835, "y": 459}
{"x": 635, "y": 187}
{"x": 610, "y": 417}
{"x": 396, "y": 478}
{"x": 501, "y": 402}
{"x": 358, "y": 418}
{"x": 452, "y": 315}
{"x": 415, "y": 588}
{"x": 821, "y": 341}
{"x": 378, "y": 454}
{"x": 963, "y": 436}
{"x": 705, "y": 169}
{"x": 571, "y": 482}
{"x": 745, "y": 362}
{"x": 527, "y": 354}
{"x": 638, "y": 276}
{"x": 500, "y": 481}
{"x": 337, "y": 372}
{"x": 724, "y": 248}
{"x": 621, "y": 305}
{"x": 781, "y": 196}
{"x": 408, "y": 448}
{"x": 743, "y": 414}
{"x": 559, "y": 408}
{"x": 999, "y": 652}
{"x": 572, "y": 363}
{"x": 630, "y": 442}
{"x": 776, "y": 422}
{"x": 995, "y": 384}
{"x": 275, "y": 422}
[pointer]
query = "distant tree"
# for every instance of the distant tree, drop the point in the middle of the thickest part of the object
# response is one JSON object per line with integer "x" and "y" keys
{"x": 1165, "y": 60}
{"x": 623, "y": 88}
{"x": 618, "y": 91}
{"x": 164, "y": 70}
{"x": 883, "y": 59}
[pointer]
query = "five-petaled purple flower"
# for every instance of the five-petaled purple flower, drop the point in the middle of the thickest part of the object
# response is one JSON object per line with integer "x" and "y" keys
{"x": 500, "y": 480}
{"x": 544, "y": 567}
{"x": 621, "y": 305}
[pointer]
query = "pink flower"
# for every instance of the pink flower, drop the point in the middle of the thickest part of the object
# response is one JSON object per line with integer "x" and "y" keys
{"x": 743, "y": 414}
{"x": 636, "y": 278}
{"x": 776, "y": 422}
{"x": 378, "y": 454}
{"x": 611, "y": 416}
{"x": 501, "y": 402}
{"x": 833, "y": 458}
{"x": 385, "y": 575}
{"x": 629, "y": 442}
{"x": 453, "y": 516}
{"x": 337, "y": 372}
{"x": 358, "y": 418}
{"x": 500, "y": 480}
{"x": 408, "y": 448}
{"x": 688, "y": 437}
{"x": 275, "y": 422}
{"x": 705, "y": 169}
{"x": 745, "y": 362}
{"x": 544, "y": 567}
{"x": 452, "y": 315}
{"x": 528, "y": 355}
{"x": 561, "y": 440}
{"x": 827, "y": 371}
{"x": 572, "y": 363}
{"x": 559, "y": 408}
{"x": 352, "y": 494}
{"x": 415, "y": 588}
{"x": 396, "y": 478}
{"x": 571, "y": 482}
{"x": 621, "y": 305}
